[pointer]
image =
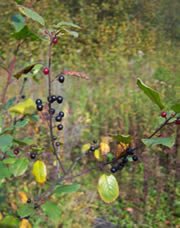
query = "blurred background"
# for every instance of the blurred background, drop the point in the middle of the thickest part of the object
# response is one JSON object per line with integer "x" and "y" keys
{"x": 119, "y": 41}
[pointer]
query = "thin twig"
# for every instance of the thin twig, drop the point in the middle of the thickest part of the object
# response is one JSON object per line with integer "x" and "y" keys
{"x": 50, "y": 119}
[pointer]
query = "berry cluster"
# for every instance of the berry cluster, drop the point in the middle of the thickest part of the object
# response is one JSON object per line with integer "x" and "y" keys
{"x": 51, "y": 100}
{"x": 124, "y": 160}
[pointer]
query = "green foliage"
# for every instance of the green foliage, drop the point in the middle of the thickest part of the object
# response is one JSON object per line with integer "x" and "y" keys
{"x": 176, "y": 108}
{"x": 108, "y": 188}
{"x": 122, "y": 139}
{"x": 31, "y": 14}
{"x": 169, "y": 142}
{"x": 52, "y": 211}
{"x": 25, "y": 210}
{"x": 5, "y": 142}
{"x": 18, "y": 22}
{"x": 66, "y": 189}
{"x": 19, "y": 167}
{"x": 151, "y": 93}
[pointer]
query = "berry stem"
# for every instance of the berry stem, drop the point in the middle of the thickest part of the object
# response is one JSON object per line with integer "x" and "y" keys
{"x": 50, "y": 119}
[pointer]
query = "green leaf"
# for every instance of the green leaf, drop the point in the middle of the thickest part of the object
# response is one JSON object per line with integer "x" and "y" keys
{"x": 18, "y": 22}
{"x": 4, "y": 171}
{"x": 24, "y": 141}
{"x": 122, "y": 138}
{"x": 151, "y": 93}
{"x": 66, "y": 24}
{"x": 176, "y": 108}
{"x": 31, "y": 14}
{"x": 9, "y": 161}
{"x": 108, "y": 188}
{"x": 169, "y": 142}
{"x": 22, "y": 123}
{"x": 72, "y": 33}
{"x": 25, "y": 210}
{"x": 19, "y": 167}
{"x": 52, "y": 211}
{"x": 5, "y": 142}
{"x": 9, "y": 222}
{"x": 25, "y": 33}
{"x": 25, "y": 107}
{"x": 9, "y": 103}
{"x": 66, "y": 188}
{"x": 23, "y": 71}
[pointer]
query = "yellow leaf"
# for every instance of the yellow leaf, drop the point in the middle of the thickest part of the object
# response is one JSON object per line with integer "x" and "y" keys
{"x": 23, "y": 197}
{"x": 25, "y": 224}
{"x": 85, "y": 147}
{"x": 97, "y": 155}
{"x": 25, "y": 107}
{"x": 39, "y": 171}
{"x": 1, "y": 216}
{"x": 104, "y": 148}
{"x": 121, "y": 149}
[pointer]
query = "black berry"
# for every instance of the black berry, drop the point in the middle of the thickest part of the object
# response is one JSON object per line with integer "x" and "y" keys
{"x": 130, "y": 151}
{"x": 61, "y": 114}
{"x": 57, "y": 144}
{"x": 33, "y": 155}
{"x": 39, "y": 102}
{"x": 120, "y": 166}
{"x": 61, "y": 78}
{"x": 29, "y": 201}
{"x": 23, "y": 97}
{"x": 40, "y": 107}
{"x": 51, "y": 99}
{"x": 135, "y": 158}
{"x": 92, "y": 148}
{"x": 54, "y": 138}
{"x": 52, "y": 111}
{"x": 59, "y": 99}
{"x": 60, "y": 127}
{"x": 125, "y": 160}
{"x": 58, "y": 118}
{"x": 114, "y": 169}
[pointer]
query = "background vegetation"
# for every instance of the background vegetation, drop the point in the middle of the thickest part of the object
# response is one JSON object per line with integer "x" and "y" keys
{"x": 118, "y": 42}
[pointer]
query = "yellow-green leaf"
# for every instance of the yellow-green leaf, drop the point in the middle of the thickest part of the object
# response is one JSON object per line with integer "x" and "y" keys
{"x": 97, "y": 155}
{"x": 85, "y": 147}
{"x": 25, "y": 107}
{"x": 108, "y": 188}
{"x": 39, "y": 171}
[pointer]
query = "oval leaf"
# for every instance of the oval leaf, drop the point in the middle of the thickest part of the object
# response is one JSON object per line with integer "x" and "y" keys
{"x": 18, "y": 22}
{"x": 25, "y": 224}
{"x": 169, "y": 142}
{"x": 151, "y": 93}
{"x": 5, "y": 141}
{"x": 19, "y": 167}
{"x": 52, "y": 211}
{"x": 26, "y": 107}
{"x": 108, "y": 188}
{"x": 39, "y": 171}
{"x": 67, "y": 188}
{"x": 25, "y": 210}
{"x": 176, "y": 108}
{"x": 31, "y": 14}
